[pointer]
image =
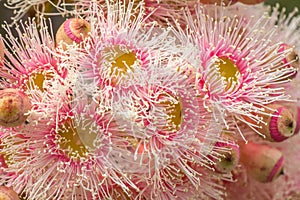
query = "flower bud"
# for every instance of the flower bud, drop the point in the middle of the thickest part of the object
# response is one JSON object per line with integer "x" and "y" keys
{"x": 262, "y": 162}
{"x": 280, "y": 123}
{"x": 229, "y": 159}
{"x": 7, "y": 193}
{"x": 72, "y": 30}
{"x": 14, "y": 105}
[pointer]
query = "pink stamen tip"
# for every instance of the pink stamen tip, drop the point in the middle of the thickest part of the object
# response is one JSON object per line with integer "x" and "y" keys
{"x": 274, "y": 132}
{"x": 278, "y": 166}
{"x": 69, "y": 31}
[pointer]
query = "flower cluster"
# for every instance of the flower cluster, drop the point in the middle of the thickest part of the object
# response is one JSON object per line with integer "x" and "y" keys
{"x": 150, "y": 100}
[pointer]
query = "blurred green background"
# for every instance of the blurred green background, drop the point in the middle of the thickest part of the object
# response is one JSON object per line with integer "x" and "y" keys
{"x": 288, "y": 4}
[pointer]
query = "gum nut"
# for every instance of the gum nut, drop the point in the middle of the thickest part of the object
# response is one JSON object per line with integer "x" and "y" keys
{"x": 262, "y": 162}
{"x": 280, "y": 123}
{"x": 73, "y": 30}
{"x": 7, "y": 193}
{"x": 228, "y": 160}
{"x": 14, "y": 105}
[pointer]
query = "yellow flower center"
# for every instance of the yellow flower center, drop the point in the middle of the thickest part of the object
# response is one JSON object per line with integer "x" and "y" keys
{"x": 37, "y": 80}
{"x": 121, "y": 62}
{"x": 229, "y": 71}
{"x": 174, "y": 113}
{"x": 70, "y": 142}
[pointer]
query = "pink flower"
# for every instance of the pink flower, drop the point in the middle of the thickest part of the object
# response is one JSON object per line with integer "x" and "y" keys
{"x": 138, "y": 111}
{"x": 62, "y": 149}
{"x": 131, "y": 69}
{"x": 53, "y": 156}
{"x": 238, "y": 63}
{"x": 33, "y": 67}
{"x": 119, "y": 49}
{"x": 32, "y": 64}
{"x": 166, "y": 126}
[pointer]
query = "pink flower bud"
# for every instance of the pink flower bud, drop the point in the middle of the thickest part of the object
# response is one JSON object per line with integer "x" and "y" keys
{"x": 7, "y": 193}
{"x": 262, "y": 162}
{"x": 14, "y": 105}
{"x": 72, "y": 30}
{"x": 280, "y": 123}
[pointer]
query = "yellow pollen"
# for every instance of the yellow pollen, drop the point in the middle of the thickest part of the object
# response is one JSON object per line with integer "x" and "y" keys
{"x": 121, "y": 61}
{"x": 7, "y": 158}
{"x": 173, "y": 110}
{"x": 38, "y": 79}
{"x": 70, "y": 142}
{"x": 229, "y": 71}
